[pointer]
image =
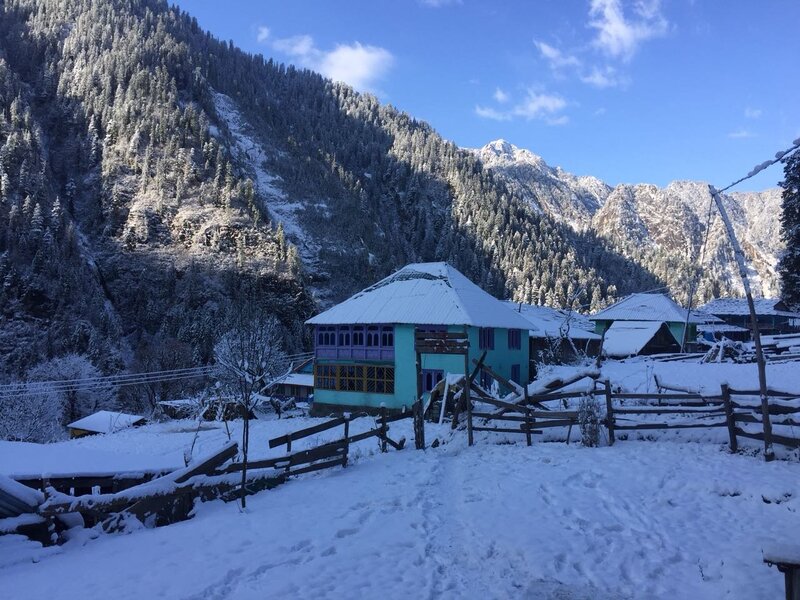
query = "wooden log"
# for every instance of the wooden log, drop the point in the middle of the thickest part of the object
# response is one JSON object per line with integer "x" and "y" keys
{"x": 668, "y": 411}
{"x": 467, "y": 394}
{"x": 209, "y": 464}
{"x": 540, "y": 424}
{"x": 419, "y": 425}
{"x": 729, "y": 418}
{"x": 774, "y": 409}
{"x": 783, "y": 440}
{"x": 502, "y": 430}
{"x": 688, "y": 397}
{"x": 772, "y": 393}
{"x": 496, "y": 417}
{"x": 528, "y": 425}
{"x": 644, "y": 426}
{"x": 609, "y": 413}
{"x": 384, "y": 429}
{"x": 302, "y": 433}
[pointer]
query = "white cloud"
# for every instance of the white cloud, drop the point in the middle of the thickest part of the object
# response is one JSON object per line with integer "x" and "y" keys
{"x": 262, "y": 34}
{"x": 491, "y": 113}
{"x": 620, "y": 36}
{"x": 540, "y": 106}
{"x": 501, "y": 96}
{"x": 301, "y": 46}
{"x": 535, "y": 106}
{"x": 555, "y": 57}
{"x": 752, "y": 113}
{"x": 741, "y": 134}
{"x": 603, "y": 78}
{"x": 439, "y": 3}
{"x": 354, "y": 64}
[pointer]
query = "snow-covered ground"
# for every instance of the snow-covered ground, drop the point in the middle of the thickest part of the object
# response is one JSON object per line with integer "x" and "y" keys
{"x": 663, "y": 519}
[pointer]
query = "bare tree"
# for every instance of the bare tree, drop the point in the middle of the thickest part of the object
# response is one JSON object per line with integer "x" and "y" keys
{"x": 31, "y": 413}
{"x": 251, "y": 356}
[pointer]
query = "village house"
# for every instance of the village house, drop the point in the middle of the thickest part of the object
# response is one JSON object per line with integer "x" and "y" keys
{"x": 298, "y": 384}
{"x": 643, "y": 324}
{"x": 774, "y": 317}
{"x": 103, "y": 421}
{"x": 557, "y": 336}
{"x": 365, "y": 351}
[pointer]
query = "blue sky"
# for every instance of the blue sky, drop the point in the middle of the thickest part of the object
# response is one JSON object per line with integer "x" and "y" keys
{"x": 626, "y": 90}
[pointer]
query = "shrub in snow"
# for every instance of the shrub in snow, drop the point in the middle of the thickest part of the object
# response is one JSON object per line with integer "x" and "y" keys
{"x": 589, "y": 421}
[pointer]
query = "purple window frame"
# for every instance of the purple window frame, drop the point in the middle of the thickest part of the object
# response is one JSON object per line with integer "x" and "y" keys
{"x": 514, "y": 339}
{"x": 430, "y": 377}
{"x": 365, "y": 342}
{"x": 486, "y": 338}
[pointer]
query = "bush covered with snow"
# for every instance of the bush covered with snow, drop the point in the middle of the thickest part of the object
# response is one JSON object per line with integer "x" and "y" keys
{"x": 589, "y": 421}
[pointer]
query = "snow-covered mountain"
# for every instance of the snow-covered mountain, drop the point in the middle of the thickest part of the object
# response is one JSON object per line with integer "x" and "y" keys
{"x": 670, "y": 220}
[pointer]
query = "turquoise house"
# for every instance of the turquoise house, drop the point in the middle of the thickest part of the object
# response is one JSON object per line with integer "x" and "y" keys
{"x": 364, "y": 354}
{"x": 646, "y": 323}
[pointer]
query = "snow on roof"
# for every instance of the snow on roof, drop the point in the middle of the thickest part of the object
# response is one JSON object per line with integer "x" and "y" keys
{"x": 423, "y": 294}
{"x": 627, "y": 338}
{"x": 546, "y": 322}
{"x": 304, "y": 379}
{"x": 646, "y": 307}
{"x": 106, "y": 421}
{"x": 721, "y": 327}
{"x": 738, "y": 306}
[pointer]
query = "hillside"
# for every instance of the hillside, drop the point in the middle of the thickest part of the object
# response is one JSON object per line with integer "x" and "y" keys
{"x": 659, "y": 227}
{"x": 155, "y": 178}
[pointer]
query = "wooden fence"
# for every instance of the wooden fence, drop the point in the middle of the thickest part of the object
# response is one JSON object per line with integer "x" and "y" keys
{"x": 159, "y": 498}
{"x": 531, "y": 413}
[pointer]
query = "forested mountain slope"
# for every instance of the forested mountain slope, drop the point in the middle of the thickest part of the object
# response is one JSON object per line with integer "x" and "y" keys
{"x": 153, "y": 177}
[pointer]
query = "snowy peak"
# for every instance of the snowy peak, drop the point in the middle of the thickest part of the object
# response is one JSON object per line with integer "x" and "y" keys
{"x": 567, "y": 198}
{"x": 669, "y": 221}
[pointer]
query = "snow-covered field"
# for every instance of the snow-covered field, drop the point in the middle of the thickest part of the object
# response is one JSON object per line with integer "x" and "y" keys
{"x": 665, "y": 519}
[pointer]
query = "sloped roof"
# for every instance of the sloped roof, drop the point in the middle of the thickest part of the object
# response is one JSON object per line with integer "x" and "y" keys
{"x": 546, "y": 322}
{"x": 423, "y": 294}
{"x": 627, "y": 338}
{"x": 106, "y": 421}
{"x": 738, "y": 306}
{"x": 646, "y": 307}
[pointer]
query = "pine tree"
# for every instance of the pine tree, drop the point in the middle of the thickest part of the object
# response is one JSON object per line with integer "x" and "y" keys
{"x": 789, "y": 265}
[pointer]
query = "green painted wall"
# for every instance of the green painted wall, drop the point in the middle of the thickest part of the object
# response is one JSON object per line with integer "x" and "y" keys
{"x": 675, "y": 328}
{"x": 405, "y": 379}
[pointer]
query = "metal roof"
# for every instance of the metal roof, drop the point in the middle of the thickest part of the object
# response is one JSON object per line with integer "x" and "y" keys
{"x": 423, "y": 294}
{"x": 646, "y": 307}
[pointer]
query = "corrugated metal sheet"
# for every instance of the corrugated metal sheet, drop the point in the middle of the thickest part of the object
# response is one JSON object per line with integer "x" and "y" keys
{"x": 627, "y": 338}
{"x": 645, "y": 307}
{"x": 546, "y": 322}
{"x": 738, "y": 306}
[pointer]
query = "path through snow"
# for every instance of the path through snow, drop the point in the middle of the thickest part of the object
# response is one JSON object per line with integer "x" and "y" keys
{"x": 637, "y": 520}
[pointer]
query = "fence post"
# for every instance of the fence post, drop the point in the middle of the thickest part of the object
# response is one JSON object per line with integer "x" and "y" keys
{"x": 527, "y": 424}
{"x": 384, "y": 429}
{"x": 289, "y": 443}
{"x": 609, "y": 414}
{"x": 419, "y": 425}
{"x": 467, "y": 398}
{"x": 729, "y": 417}
{"x": 346, "y": 438}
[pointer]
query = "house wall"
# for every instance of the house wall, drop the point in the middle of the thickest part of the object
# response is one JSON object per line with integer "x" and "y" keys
{"x": 675, "y": 328}
{"x": 405, "y": 378}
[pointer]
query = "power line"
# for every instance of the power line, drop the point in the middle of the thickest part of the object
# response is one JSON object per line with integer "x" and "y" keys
{"x": 73, "y": 385}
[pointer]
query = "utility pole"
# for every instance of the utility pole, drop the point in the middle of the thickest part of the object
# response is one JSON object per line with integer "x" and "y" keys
{"x": 769, "y": 453}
